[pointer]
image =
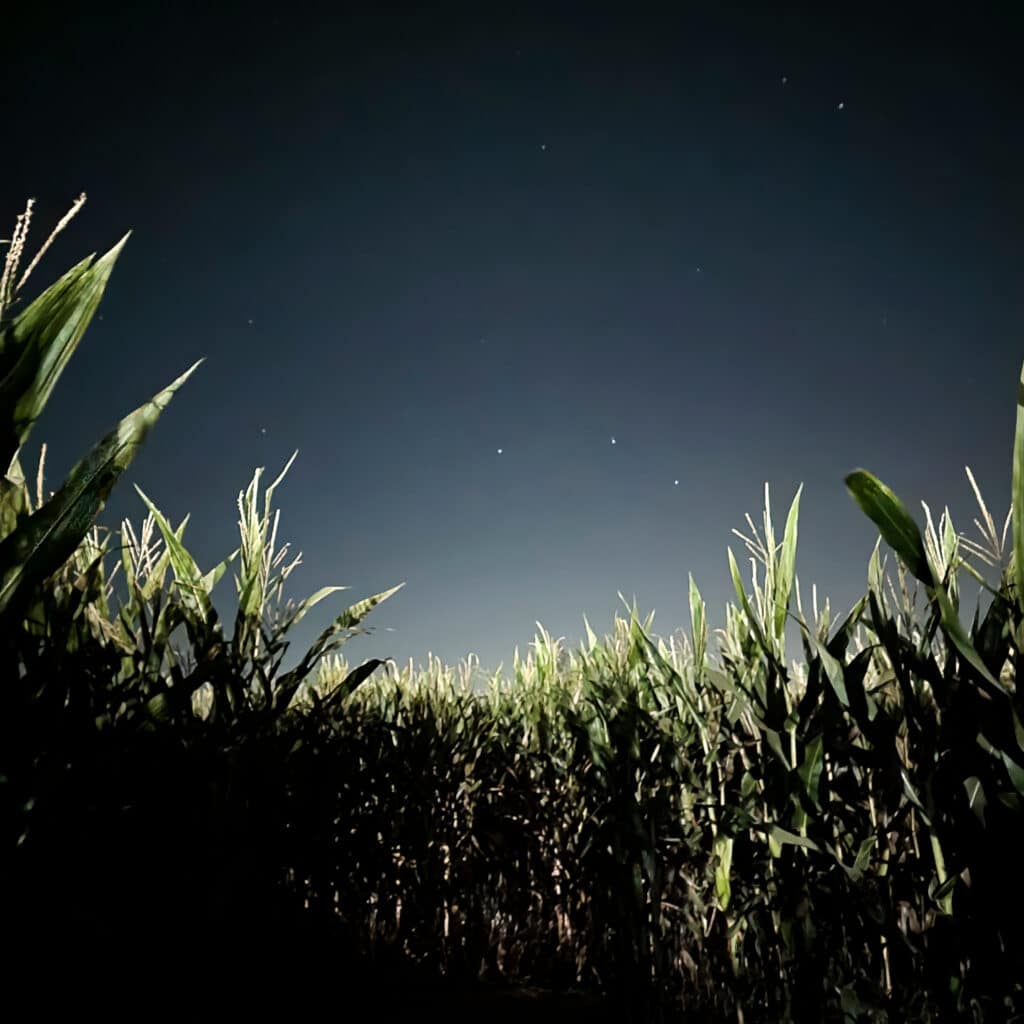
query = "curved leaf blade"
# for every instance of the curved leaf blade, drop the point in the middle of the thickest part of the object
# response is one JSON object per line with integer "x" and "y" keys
{"x": 891, "y": 517}
{"x": 44, "y": 541}
{"x": 45, "y": 336}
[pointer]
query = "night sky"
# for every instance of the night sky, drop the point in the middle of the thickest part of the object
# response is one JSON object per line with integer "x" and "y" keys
{"x": 542, "y": 297}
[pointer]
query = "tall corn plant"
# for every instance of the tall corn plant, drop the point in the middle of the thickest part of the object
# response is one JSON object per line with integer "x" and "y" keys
{"x": 35, "y": 346}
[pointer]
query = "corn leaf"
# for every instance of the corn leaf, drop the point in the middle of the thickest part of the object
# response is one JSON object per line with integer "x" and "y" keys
{"x": 891, "y": 517}
{"x": 44, "y": 541}
{"x": 787, "y": 566}
{"x": 36, "y": 346}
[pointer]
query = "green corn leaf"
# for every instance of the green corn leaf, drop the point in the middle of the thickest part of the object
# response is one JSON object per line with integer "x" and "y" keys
{"x": 810, "y": 769}
{"x": 1015, "y": 772}
{"x": 787, "y": 566}
{"x": 903, "y": 535}
{"x": 36, "y": 346}
{"x": 669, "y": 674}
{"x": 779, "y": 837}
{"x": 891, "y": 517}
{"x": 44, "y": 541}
{"x": 774, "y": 741}
{"x": 953, "y": 629}
{"x": 841, "y": 638}
{"x": 128, "y": 562}
{"x": 875, "y": 579}
{"x": 355, "y": 614}
{"x": 863, "y": 858}
{"x": 698, "y": 625}
{"x": 310, "y": 602}
{"x": 351, "y": 682}
{"x": 195, "y": 598}
{"x": 213, "y": 577}
{"x": 911, "y": 794}
{"x": 723, "y": 887}
{"x": 14, "y": 502}
{"x": 159, "y": 707}
{"x": 833, "y": 671}
{"x": 1012, "y": 801}
{"x": 727, "y": 685}
{"x": 741, "y": 595}
{"x": 348, "y": 619}
{"x": 939, "y": 893}
{"x": 12, "y": 344}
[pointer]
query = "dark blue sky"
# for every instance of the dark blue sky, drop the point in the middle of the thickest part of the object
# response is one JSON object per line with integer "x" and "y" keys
{"x": 749, "y": 247}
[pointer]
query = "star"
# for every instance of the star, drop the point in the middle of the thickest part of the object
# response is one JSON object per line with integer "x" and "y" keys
{"x": 784, "y": 79}
{"x": 263, "y": 430}
{"x": 677, "y": 483}
{"x": 543, "y": 145}
{"x": 250, "y": 323}
{"x": 613, "y": 440}
{"x": 842, "y": 106}
{"x": 500, "y": 450}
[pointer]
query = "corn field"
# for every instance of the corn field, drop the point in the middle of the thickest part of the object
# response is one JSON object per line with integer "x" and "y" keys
{"x": 694, "y": 834}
